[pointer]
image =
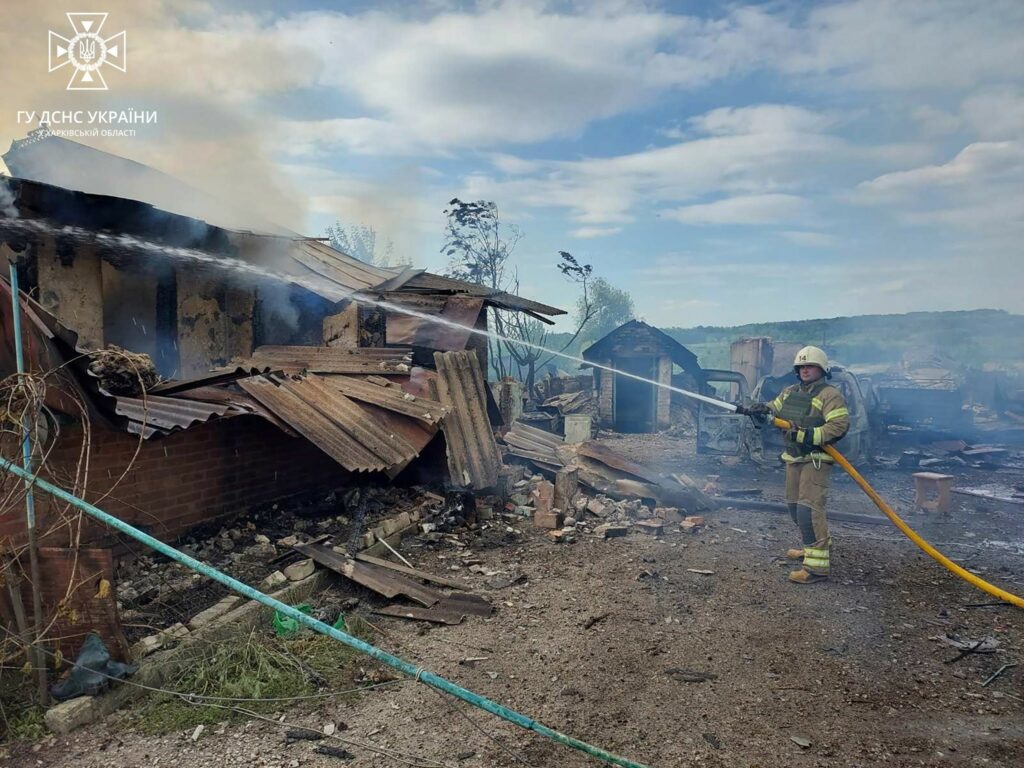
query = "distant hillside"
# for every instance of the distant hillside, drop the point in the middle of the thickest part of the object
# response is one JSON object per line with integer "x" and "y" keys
{"x": 973, "y": 337}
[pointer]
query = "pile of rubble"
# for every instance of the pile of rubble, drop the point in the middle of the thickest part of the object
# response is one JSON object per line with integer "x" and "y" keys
{"x": 951, "y": 454}
{"x": 598, "y": 515}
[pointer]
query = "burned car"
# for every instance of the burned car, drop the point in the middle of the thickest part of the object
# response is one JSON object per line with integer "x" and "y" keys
{"x": 732, "y": 434}
{"x": 766, "y": 444}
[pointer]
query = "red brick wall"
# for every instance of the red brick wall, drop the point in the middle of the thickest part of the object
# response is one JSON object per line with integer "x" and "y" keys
{"x": 212, "y": 470}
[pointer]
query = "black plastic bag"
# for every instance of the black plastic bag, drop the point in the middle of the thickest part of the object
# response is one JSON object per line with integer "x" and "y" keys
{"x": 93, "y": 670}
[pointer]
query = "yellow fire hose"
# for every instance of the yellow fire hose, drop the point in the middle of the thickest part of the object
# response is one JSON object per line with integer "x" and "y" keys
{"x": 944, "y": 561}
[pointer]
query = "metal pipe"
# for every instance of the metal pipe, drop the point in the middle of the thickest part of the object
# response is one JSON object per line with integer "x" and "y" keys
{"x": 30, "y": 502}
{"x": 417, "y": 673}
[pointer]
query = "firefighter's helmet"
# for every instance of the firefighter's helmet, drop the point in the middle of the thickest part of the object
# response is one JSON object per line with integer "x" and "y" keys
{"x": 812, "y": 356}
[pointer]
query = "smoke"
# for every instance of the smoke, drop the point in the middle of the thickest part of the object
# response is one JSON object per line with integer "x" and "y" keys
{"x": 187, "y": 62}
{"x": 7, "y": 206}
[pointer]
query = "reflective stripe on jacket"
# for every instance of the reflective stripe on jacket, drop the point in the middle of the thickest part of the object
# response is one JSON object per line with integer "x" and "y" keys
{"x": 827, "y": 408}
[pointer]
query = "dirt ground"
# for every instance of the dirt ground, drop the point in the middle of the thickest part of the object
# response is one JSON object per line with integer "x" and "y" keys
{"x": 618, "y": 643}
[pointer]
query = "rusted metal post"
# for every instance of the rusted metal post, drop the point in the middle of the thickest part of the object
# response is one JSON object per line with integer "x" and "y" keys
{"x": 30, "y": 506}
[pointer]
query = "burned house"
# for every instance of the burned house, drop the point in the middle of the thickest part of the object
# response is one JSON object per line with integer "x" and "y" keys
{"x": 289, "y": 368}
{"x": 637, "y": 355}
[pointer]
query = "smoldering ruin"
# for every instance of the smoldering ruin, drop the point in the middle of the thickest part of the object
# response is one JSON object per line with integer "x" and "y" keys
{"x": 332, "y": 433}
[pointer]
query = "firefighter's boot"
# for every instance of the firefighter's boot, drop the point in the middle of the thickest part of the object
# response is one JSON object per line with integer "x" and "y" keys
{"x": 815, "y": 553}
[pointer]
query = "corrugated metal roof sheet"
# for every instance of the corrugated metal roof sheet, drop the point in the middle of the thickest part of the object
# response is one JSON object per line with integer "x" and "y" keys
{"x": 383, "y": 361}
{"x": 421, "y": 332}
{"x": 388, "y": 396}
{"x": 332, "y": 422}
{"x": 473, "y": 458}
{"x": 206, "y": 380}
{"x": 346, "y": 272}
{"x": 154, "y": 415}
{"x": 431, "y": 282}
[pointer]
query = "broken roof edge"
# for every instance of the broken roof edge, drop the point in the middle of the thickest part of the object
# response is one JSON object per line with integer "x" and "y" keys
{"x": 429, "y": 282}
{"x": 680, "y": 355}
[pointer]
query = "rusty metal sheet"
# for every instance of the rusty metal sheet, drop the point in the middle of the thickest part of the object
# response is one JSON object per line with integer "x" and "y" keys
{"x": 174, "y": 386}
{"x": 437, "y": 615}
{"x": 473, "y": 457}
{"x": 389, "y": 446}
{"x": 237, "y": 399}
{"x": 463, "y": 311}
{"x": 347, "y": 273}
{"x": 154, "y": 415}
{"x": 315, "y": 426}
{"x": 391, "y": 397}
{"x": 610, "y": 458}
{"x": 380, "y": 580}
{"x": 431, "y": 282}
{"x": 383, "y": 361}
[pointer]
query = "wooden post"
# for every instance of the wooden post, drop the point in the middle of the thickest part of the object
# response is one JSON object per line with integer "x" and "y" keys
{"x": 567, "y": 482}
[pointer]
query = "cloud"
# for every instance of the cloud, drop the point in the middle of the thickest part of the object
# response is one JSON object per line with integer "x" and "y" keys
{"x": 983, "y": 160}
{"x": 996, "y": 113}
{"x": 585, "y": 233}
{"x": 358, "y": 135}
{"x": 762, "y": 159}
{"x": 980, "y": 190}
{"x": 906, "y": 44}
{"x": 744, "y": 209}
{"x": 762, "y": 119}
{"x": 810, "y": 239}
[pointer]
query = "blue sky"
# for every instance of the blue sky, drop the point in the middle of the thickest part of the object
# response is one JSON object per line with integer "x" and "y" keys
{"x": 723, "y": 162}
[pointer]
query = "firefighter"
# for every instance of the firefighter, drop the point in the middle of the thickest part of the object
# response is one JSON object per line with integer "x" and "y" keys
{"x": 819, "y": 416}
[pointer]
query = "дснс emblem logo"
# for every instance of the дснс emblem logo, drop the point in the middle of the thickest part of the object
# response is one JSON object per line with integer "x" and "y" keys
{"x": 87, "y": 52}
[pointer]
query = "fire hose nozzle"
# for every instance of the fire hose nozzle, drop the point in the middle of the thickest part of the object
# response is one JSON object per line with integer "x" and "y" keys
{"x": 758, "y": 412}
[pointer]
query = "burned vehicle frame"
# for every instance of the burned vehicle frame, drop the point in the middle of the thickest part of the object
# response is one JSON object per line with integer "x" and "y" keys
{"x": 723, "y": 433}
{"x": 766, "y": 444}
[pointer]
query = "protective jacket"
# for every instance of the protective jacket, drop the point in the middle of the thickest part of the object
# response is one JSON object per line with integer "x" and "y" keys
{"x": 818, "y": 411}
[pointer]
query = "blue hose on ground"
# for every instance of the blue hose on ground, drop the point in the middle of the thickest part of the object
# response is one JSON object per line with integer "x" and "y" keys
{"x": 417, "y": 673}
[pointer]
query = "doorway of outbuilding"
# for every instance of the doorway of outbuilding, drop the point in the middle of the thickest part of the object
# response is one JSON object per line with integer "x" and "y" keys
{"x": 635, "y": 401}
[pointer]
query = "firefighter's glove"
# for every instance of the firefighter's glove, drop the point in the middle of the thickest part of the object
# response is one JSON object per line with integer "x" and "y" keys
{"x": 759, "y": 412}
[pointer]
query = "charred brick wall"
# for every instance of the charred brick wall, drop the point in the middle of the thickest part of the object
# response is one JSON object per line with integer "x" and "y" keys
{"x": 606, "y": 396}
{"x": 213, "y": 470}
{"x": 663, "y": 414}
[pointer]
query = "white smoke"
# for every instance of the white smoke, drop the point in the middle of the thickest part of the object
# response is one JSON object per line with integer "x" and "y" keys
{"x": 7, "y": 207}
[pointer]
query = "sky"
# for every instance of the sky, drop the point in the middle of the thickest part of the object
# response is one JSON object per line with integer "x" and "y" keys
{"x": 725, "y": 163}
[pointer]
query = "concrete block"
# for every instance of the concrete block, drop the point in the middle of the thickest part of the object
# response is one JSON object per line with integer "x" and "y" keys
{"x": 300, "y": 570}
{"x": 214, "y": 612}
{"x": 174, "y": 632}
{"x": 610, "y": 531}
{"x": 551, "y": 520}
{"x": 273, "y": 581}
{"x": 669, "y": 514}
{"x": 147, "y": 645}
{"x": 68, "y": 715}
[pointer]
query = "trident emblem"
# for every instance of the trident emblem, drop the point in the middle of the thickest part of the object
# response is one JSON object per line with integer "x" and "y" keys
{"x": 87, "y": 52}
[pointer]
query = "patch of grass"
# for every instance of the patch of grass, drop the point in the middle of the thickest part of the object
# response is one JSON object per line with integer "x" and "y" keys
{"x": 254, "y": 666}
{"x": 20, "y": 718}
{"x": 23, "y": 725}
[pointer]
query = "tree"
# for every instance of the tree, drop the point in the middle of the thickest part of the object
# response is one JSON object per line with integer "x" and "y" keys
{"x": 608, "y": 308}
{"x": 477, "y": 244}
{"x": 361, "y": 243}
{"x": 528, "y": 339}
{"x": 479, "y": 248}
